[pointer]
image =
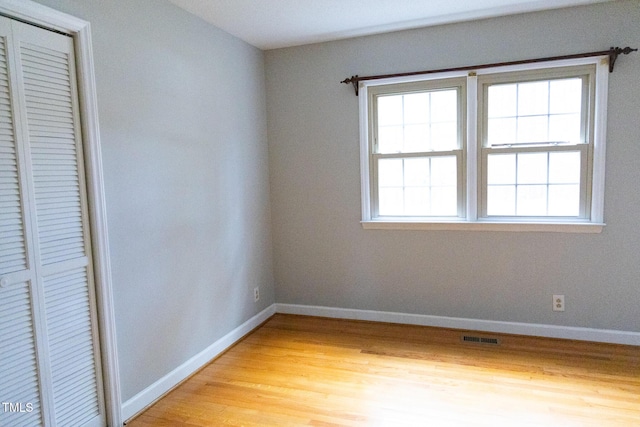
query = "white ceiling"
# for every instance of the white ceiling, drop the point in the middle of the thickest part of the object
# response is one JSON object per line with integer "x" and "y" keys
{"x": 270, "y": 24}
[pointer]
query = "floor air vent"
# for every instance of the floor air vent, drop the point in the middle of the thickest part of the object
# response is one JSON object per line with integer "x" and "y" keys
{"x": 480, "y": 340}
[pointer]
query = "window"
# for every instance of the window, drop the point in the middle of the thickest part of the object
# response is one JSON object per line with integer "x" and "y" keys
{"x": 535, "y": 144}
{"x": 417, "y": 149}
{"x": 510, "y": 148}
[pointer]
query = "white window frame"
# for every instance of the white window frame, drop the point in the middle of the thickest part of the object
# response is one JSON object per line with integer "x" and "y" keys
{"x": 470, "y": 205}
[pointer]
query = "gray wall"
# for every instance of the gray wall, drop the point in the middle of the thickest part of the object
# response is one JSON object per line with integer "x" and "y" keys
{"x": 183, "y": 127}
{"x": 323, "y": 256}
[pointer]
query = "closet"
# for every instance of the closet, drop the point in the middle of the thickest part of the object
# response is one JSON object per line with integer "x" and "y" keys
{"x": 50, "y": 369}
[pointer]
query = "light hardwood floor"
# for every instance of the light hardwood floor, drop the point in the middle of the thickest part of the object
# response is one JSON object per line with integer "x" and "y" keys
{"x": 297, "y": 371}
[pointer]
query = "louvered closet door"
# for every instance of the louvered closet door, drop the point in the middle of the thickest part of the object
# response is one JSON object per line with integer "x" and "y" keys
{"x": 19, "y": 382}
{"x": 56, "y": 228}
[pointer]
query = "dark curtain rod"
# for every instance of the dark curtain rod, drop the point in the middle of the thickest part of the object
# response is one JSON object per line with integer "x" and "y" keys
{"x": 613, "y": 53}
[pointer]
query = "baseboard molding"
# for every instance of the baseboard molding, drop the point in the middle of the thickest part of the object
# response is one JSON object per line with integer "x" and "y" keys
{"x": 549, "y": 331}
{"x": 156, "y": 390}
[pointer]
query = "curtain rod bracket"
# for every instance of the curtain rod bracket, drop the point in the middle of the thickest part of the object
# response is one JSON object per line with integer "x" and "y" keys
{"x": 354, "y": 82}
{"x": 614, "y": 52}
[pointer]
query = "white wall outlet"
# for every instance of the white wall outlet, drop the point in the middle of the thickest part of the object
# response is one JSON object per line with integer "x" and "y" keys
{"x": 256, "y": 293}
{"x": 558, "y": 303}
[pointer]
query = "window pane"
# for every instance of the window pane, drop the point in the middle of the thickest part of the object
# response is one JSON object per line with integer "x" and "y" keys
{"x": 416, "y": 172}
{"x": 444, "y": 136}
{"x": 416, "y": 201}
{"x": 532, "y": 129}
{"x": 444, "y": 171}
{"x": 565, "y": 128}
{"x": 444, "y": 201}
{"x": 389, "y": 110}
{"x": 565, "y": 96}
{"x": 564, "y": 200}
{"x": 416, "y": 108}
{"x": 502, "y": 131}
{"x": 564, "y": 168}
{"x": 390, "y": 139}
{"x": 531, "y": 200}
{"x": 532, "y": 168}
{"x": 390, "y": 201}
{"x": 501, "y": 200}
{"x": 533, "y": 98}
{"x": 390, "y": 173}
{"x": 416, "y": 138}
{"x": 503, "y": 101}
{"x": 444, "y": 105}
{"x": 501, "y": 169}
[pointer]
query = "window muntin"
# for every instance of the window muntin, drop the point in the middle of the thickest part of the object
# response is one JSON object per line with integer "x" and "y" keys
{"x": 416, "y": 152}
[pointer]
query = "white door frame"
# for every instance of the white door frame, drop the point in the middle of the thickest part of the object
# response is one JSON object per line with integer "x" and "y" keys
{"x": 80, "y": 30}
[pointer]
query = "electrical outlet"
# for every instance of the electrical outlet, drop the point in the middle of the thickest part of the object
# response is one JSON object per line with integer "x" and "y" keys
{"x": 558, "y": 303}
{"x": 256, "y": 294}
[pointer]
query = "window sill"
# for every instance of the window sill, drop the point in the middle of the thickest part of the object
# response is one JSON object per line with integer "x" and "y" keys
{"x": 546, "y": 227}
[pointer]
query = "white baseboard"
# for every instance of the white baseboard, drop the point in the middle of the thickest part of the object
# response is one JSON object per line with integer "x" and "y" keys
{"x": 549, "y": 331}
{"x": 156, "y": 390}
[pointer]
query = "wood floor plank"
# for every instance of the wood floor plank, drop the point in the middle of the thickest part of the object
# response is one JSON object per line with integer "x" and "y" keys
{"x": 297, "y": 371}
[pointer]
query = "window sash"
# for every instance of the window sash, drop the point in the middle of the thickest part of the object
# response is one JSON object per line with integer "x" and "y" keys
{"x": 428, "y": 124}
{"x": 374, "y": 156}
{"x": 586, "y": 73}
{"x": 375, "y": 180}
{"x": 584, "y": 182}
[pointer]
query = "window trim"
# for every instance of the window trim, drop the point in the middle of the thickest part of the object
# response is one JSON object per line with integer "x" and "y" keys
{"x": 472, "y": 157}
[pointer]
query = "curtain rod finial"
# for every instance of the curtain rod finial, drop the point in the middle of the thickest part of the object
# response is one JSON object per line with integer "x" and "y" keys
{"x": 615, "y": 51}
